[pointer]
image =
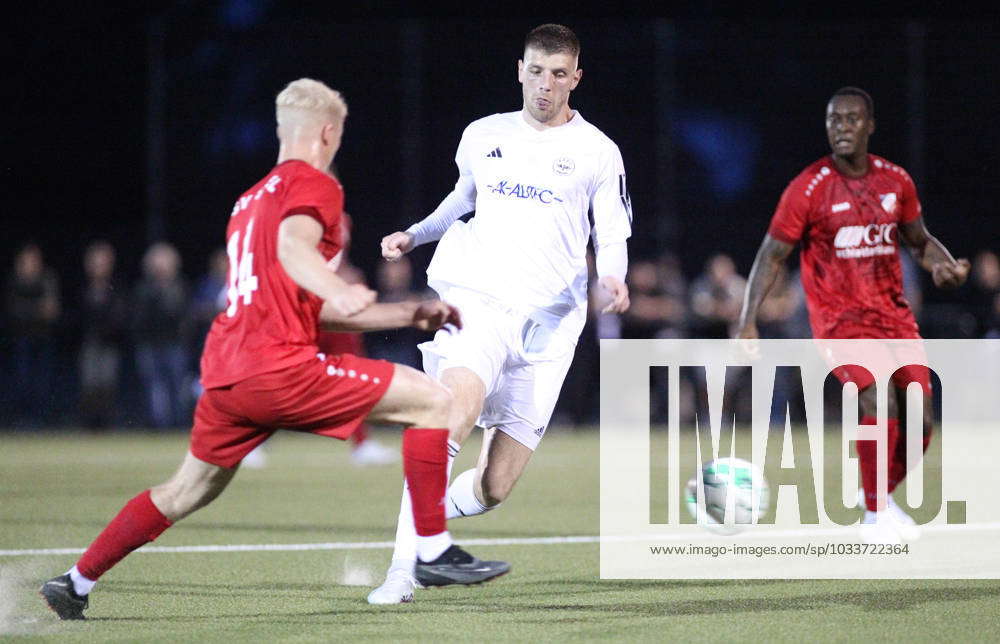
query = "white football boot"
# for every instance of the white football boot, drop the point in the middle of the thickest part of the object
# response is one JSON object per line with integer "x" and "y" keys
{"x": 878, "y": 528}
{"x": 905, "y": 526}
{"x": 397, "y": 588}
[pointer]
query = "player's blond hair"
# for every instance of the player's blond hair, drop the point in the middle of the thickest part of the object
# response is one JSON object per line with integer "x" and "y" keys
{"x": 310, "y": 96}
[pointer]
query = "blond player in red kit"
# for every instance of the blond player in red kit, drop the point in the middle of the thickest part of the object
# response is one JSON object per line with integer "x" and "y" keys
{"x": 262, "y": 370}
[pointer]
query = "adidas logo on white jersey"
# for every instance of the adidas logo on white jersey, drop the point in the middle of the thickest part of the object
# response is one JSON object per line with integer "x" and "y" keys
{"x": 495, "y": 154}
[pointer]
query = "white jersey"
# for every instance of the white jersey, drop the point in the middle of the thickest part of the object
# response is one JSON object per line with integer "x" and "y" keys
{"x": 538, "y": 197}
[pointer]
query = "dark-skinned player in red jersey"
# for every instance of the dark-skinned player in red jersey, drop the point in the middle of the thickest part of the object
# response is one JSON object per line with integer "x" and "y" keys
{"x": 849, "y": 211}
{"x": 262, "y": 370}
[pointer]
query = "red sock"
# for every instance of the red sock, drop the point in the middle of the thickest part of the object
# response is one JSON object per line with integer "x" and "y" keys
{"x": 868, "y": 458}
{"x": 425, "y": 465}
{"x": 138, "y": 523}
{"x": 360, "y": 434}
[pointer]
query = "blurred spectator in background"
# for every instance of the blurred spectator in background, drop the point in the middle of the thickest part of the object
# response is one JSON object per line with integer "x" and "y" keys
{"x": 364, "y": 449}
{"x": 33, "y": 308}
{"x": 394, "y": 283}
{"x": 657, "y": 294}
{"x": 103, "y": 325}
{"x": 993, "y": 325}
{"x": 774, "y": 318}
{"x": 780, "y": 316}
{"x": 160, "y": 314}
{"x": 797, "y": 324}
{"x": 984, "y": 296}
{"x": 209, "y": 299}
{"x": 580, "y": 394}
{"x": 913, "y": 289}
{"x": 716, "y": 298}
{"x": 673, "y": 285}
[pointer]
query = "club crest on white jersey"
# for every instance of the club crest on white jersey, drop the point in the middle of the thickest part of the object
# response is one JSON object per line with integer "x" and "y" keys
{"x": 563, "y": 166}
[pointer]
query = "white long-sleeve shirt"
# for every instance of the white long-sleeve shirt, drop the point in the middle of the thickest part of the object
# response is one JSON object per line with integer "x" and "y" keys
{"x": 538, "y": 197}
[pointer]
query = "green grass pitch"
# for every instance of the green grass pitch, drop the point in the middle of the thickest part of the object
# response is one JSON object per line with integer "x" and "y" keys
{"x": 58, "y": 491}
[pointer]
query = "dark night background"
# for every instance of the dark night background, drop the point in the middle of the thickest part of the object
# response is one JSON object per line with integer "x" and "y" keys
{"x": 142, "y": 124}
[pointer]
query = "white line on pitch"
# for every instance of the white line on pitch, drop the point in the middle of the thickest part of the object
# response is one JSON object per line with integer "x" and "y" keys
{"x": 511, "y": 541}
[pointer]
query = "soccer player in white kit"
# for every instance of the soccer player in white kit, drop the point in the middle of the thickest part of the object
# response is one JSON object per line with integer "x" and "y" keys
{"x": 542, "y": 182}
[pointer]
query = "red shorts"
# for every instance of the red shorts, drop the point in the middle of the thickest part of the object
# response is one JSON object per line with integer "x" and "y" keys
{"x": 333, "y": 342}
{"x": 330, "y": 397}
{"x": 854, "y": 362}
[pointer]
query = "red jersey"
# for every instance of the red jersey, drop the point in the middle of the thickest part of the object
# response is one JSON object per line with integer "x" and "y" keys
{"x": 271, "y": 323}
{"x": 848, "y": 229}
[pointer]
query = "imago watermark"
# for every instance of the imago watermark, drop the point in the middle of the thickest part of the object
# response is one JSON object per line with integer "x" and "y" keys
{"x": 905, "y": 429}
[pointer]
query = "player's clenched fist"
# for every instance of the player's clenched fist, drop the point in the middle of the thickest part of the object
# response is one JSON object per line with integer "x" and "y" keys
{"x": 434, "y": 314}
{"x": 352, "y": 300}
{"x": 396, "y": 245}
{"x": 950, "y": 274}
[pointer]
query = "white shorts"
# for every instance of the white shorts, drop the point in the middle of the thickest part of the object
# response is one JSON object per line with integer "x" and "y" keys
{"x": 521, "y": 362}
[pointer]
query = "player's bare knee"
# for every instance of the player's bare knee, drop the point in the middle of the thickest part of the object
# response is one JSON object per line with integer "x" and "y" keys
{"x": 462, "y": 417}
{"x": 442, "y": 399}
{"x": 435, "y": 405}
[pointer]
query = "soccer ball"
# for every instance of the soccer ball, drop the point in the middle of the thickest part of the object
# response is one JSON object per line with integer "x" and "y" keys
{"x": 751, "y": 495}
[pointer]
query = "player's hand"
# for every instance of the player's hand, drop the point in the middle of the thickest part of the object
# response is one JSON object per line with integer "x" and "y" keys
{"x": 396, "y": 245}
{"x": 434, "y": 314}
{"x": 750, "y": 339}
{"x": 747, "y": 332}
{"x": 352, "y": 300}
{"x": 617, "y": 291}
{"x": 950, "y": 275}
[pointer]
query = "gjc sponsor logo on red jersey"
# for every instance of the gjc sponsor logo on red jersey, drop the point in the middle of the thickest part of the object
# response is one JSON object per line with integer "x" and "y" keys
{"x": 865, "y": 241}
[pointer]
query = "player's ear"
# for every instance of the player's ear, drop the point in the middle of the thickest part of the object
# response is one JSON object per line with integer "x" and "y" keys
{"x": 577, "y": 75}
{"x": 871, "y": 126}
{"x": 332, "y": 133}
{"x": 520, "y": 70}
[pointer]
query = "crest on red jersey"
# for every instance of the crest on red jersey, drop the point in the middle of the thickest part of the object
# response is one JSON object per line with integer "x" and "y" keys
{"x": 888, "y": 202}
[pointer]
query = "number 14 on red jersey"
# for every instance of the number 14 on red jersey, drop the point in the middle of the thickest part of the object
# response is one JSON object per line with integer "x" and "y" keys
{"x": 242, "y": 281}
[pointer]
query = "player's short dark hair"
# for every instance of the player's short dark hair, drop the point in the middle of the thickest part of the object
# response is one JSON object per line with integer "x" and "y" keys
{"x": 553, "y": 39}
{"x": 857, "y": 91}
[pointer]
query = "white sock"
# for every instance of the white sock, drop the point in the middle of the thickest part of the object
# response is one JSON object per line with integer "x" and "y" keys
{"x": 81, "y": 585}
{"x": 430, "y": 548}
{"x": 462, "y": 501}
{"x": 404, "y": 553}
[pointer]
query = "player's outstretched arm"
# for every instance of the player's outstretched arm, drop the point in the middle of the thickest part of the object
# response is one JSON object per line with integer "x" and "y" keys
{"x": 460, "y": 201}
{"x": 931, "y": 254}
{"x": 770, "y": 258}
{"x": 298, "y": 241}
{"x": 429, "y": 315}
